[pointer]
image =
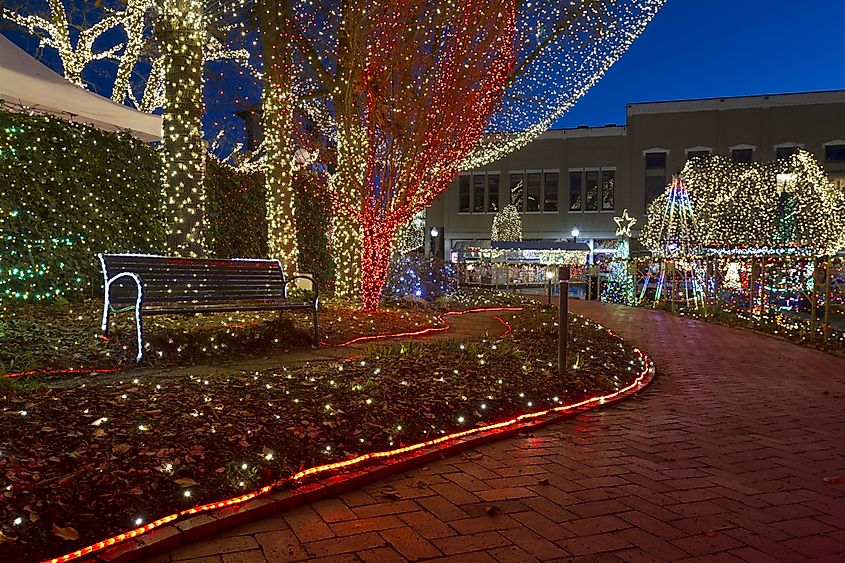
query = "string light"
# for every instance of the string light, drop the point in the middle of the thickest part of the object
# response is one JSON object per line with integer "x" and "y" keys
{"x": 507, "y": 224}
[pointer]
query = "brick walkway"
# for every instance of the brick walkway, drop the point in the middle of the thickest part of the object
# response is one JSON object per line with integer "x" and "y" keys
{"x": 734, "y": 453}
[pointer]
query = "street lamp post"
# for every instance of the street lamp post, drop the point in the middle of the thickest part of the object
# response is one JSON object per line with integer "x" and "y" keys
{"x": 575, "y": 233}
{"x": 563, "y": 319}
{"x": 550, "y": 274}
{"x": 434, "y": 233}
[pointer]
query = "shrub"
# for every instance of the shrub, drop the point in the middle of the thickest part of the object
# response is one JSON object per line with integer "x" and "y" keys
{"x": 235, "y": 212}
{"x": 418, "y": 276}
{"x": 67, "y": 192}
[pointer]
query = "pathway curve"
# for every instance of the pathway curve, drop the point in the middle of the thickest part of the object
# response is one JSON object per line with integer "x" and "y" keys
{"x": 735, "y": 452}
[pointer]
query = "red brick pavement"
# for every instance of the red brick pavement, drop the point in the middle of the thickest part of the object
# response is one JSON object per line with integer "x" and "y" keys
{"x": 723, "y": 458}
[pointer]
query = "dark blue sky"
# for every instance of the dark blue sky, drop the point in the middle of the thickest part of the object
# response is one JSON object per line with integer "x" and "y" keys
{"x": 718, "y": 48}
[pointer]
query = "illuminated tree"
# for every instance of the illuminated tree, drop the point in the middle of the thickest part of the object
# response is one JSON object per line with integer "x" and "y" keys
{"x": 431, "y": 79}
{"x": 507, "y": 224}
{"x": 410, "y": 236}
{"x": 275, "y": 21}
{"x": 559, "y": 50}
{"x": 671, "y": 229}
{"x": 786, "y": 206}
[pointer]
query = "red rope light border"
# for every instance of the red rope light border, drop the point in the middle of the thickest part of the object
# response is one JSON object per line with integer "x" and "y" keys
{"x": 638, "y": 382}
{"x": 424, "y": 331}
{"x": 61, "y": 372}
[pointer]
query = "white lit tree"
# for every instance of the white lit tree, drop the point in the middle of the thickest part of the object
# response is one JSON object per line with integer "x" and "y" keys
{"x": 507, "y": 224}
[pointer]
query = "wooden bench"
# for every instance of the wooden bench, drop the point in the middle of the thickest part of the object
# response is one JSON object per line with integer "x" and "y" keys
{"x": 161, "y": 285}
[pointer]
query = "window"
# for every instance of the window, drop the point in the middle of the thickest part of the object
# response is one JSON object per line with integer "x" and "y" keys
{"x": 592, "y": 196}
{"x": 654, "y": 187}
{"x": 655, "y": 174}
{"x": 655, "y": 161}
{"x": 608, "y": 189}
{"x": 550, "y": 192}
{"x": 782, "y": 153}
{"x": 834, "y": 153}
{"x": 742, "y": 156}
{"x": 478, "y": 193}
{"x": 463, "y": 194}
{"x": 532, "y": 192}
{"x": 576, "y": 185}
{"x": 493, "y": 193}
{"x": 516, "y": 189}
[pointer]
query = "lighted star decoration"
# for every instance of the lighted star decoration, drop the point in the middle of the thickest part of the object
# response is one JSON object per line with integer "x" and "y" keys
{"x": 624, "y": 224}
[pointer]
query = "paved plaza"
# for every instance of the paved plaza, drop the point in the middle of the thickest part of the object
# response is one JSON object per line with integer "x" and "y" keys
{"x": 735, "y": 452}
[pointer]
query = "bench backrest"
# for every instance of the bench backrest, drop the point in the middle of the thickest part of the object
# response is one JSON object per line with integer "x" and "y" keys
{"x": 192, "y": 282}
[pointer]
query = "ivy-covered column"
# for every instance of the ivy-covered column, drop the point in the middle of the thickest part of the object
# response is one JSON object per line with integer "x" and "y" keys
{"x": 181, "y": 33}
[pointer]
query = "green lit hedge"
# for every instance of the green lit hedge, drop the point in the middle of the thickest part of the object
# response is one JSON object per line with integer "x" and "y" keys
{"x": 67, "y": 192}
{"x": 235, "y": 212}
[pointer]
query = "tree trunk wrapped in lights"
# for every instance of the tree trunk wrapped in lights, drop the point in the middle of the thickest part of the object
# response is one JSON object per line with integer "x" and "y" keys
{"x": 432, "y": 78}
{"x": 279, "y": 105}
{"x": 181, "y": 33}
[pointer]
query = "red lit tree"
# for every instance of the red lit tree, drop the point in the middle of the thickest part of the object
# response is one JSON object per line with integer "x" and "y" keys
{"x": 430, "y": 79}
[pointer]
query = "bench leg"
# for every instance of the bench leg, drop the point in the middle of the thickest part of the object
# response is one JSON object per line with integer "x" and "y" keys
{"x": 140, "y": 332}
{"x": 106, "y": 316}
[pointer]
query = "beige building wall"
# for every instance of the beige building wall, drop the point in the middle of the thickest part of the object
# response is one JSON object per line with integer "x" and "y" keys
{"x": 809, "y": 120}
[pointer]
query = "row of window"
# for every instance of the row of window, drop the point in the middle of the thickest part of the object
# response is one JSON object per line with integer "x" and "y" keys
{"x": 538, "y": 191}
{"x": 833, "y": 153}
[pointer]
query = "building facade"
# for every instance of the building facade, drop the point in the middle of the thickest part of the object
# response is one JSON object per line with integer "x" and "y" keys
{"x": 585, "y": 177}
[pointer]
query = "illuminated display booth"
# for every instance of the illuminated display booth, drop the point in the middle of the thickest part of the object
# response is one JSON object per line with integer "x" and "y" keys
{"x": 519, "y": 264}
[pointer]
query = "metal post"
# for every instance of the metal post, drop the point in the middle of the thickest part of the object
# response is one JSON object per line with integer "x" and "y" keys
{"x": 828, "y": 272}
{"x": 814, "y": 297}
{"x": 563, "y": 319}
{"x": 752, "y": 289}
{"x": 549, "y": 286}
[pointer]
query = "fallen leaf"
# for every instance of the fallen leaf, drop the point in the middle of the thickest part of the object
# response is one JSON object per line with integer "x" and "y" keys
{"x": 67, "y": 533}
{"x": 120, "y": 448}
{"x": 68, "y": 481}
{"x": 711, "y": 533}
{"x": 393, "y": 495}
{"x": 833, "y": 479}
{"x": 186, "y": 482}
{"x": 5, "y": 539}
{"x": 543, "y": 482}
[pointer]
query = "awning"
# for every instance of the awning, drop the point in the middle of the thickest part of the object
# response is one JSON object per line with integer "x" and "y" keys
{"x": 539, "y": 245}
{"x": 27, "y": 83}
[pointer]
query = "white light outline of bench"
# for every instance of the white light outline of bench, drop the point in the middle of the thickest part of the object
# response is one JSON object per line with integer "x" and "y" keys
{"x": 139, "y": 284}
{"x": 107, "y": 302}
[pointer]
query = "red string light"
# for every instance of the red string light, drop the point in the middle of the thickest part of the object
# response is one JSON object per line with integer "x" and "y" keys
{"x": 637, "y": 383}
{"x": 61, "y": 371}
{"x": 428, "y": 330}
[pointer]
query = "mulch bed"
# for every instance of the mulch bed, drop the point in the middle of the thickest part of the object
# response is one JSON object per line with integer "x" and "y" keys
{"x": 58, "y": 337}
{"x": 99, "y": 455}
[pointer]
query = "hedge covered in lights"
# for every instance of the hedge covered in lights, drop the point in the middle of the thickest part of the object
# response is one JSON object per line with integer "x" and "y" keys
{"x": 235, "y": 212}
{"x": 67, "y": 192}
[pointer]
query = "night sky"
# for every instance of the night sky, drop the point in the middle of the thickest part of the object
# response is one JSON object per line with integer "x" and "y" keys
{"x": 719, "y": 48}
